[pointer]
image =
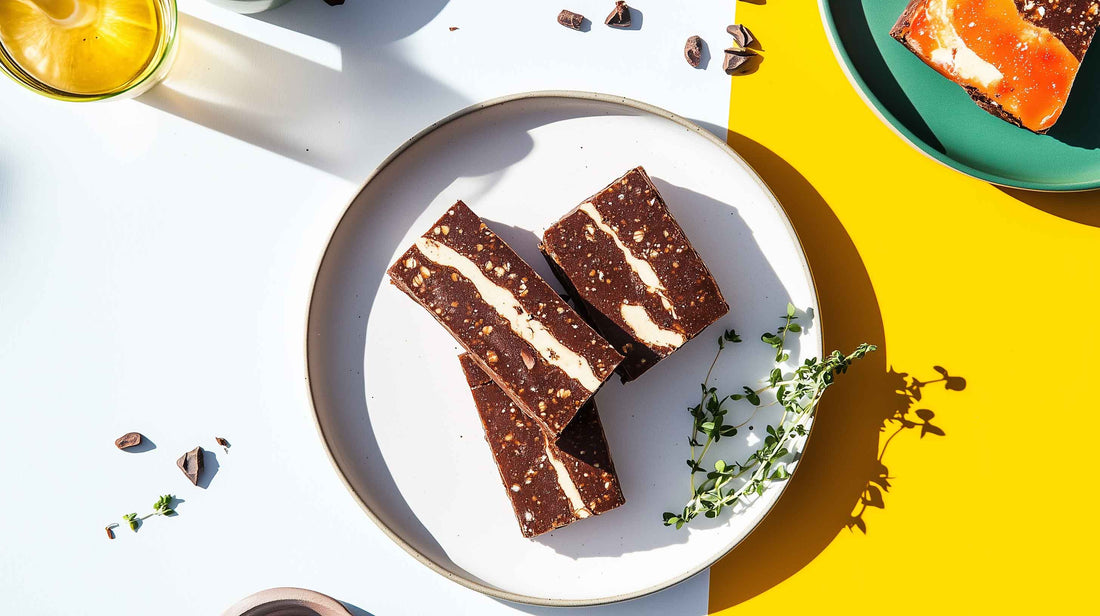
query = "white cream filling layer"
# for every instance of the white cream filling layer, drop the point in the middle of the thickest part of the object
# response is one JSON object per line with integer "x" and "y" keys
{"x": 636, "y": 317}
{"x": 645, "y": 329}
{"x": 952, "y": 54}
{"x": 565, "y": 482}
{"x": 523, "y": 323}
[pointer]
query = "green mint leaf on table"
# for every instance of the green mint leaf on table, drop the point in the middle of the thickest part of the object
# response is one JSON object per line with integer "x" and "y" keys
{"x": 163, "y": 506}
{"x": 797, "y": 392}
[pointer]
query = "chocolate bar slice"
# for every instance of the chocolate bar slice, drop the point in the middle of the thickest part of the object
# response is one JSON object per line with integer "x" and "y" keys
{"x": 622, "y": 254}
{"x": 532, "y": 344}
{"x": 551, "y": 482}
{"x": 1017, "y": 59}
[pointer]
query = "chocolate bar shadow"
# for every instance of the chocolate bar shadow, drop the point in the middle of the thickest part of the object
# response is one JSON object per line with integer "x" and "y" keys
{"x": 636, "y": 19}
{"x": 1079, "y": 125}
{"x": 842, "y": 453}
{"x": 314, "y": 110}
{"x": 1079, "y": 207}
{"x": 147, "y": 444}
{"x": 851, "y": 23}
{"x": 210, "y": 468}
{"x": 704, "y": 57}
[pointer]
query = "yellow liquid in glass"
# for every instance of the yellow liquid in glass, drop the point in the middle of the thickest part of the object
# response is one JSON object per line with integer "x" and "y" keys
{"x": 83, "y": 47}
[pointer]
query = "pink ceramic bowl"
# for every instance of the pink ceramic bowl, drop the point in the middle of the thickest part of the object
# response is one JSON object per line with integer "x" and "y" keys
{"x": 287, "y": 602}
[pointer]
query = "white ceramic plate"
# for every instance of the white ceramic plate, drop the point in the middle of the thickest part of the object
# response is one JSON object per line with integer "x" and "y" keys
{"x": 394, "y": 410}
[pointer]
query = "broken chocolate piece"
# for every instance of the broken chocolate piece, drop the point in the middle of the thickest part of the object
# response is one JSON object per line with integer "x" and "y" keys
{"x": 693, "y": 51}
{"x": 128, "y": 440}
{"x": 736, "y": 60}
{"x": 191, "y": 464}
{"x": 550, "y": 482}
{"x": 498, "y": 308}
{"x": 569, "y": 19}
{"x": 741, "y": 35}
{"x": 623, "y": 255}
{"x": 620, "y": 16}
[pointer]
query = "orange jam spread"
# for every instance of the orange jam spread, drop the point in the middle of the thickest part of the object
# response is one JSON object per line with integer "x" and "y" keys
{"x": 989, "y": 46}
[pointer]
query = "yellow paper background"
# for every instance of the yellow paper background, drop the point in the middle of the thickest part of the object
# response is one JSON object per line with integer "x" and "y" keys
{"x": 998, "y": 287}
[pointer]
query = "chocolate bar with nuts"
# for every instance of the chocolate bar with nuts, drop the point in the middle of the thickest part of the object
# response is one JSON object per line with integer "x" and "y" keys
{"x": 526, "y": 338}
{"x": 1017, "y": 59}
{"x": 550, "y": 482}
{"x": 623, "y": 255}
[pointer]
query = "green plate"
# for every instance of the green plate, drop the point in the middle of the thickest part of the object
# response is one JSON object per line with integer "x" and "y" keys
{"x": 938, "y": 118}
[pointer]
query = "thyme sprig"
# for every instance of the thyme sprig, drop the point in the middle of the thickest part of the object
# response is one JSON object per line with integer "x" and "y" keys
{"x": 163, "y": 506}
{"x": 797, "y": 391}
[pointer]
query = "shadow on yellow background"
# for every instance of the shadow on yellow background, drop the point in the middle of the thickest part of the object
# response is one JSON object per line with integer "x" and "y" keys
{"x": 843, "y": 472}
{"x": 1079, "y": 207}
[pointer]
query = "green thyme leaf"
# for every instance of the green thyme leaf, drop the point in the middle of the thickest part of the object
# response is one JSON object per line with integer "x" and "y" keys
{"x": 798, "y": 394}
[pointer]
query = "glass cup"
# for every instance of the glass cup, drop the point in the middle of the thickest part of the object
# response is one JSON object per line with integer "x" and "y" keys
{"x": 54, "y": 47}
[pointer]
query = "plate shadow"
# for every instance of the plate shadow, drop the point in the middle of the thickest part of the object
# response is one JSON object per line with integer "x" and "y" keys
{"x": 1079, "y": 207}
{"x": 1080, "y": 124}
{"x": 842, "y": 451}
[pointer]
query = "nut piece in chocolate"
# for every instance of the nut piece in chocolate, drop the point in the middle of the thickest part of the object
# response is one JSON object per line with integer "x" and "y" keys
{"x": 191, "y": 464}
{"x": 571, "y": 20}
{"x": 128, "y": 440}
{"x": 693, "y": 51}
{"x": 514, "y": 325}
{"x": 624, "y": 257}
{"x": 620, "y": 16}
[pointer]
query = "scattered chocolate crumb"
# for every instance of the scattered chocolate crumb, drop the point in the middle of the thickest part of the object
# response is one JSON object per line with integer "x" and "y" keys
{"x": 128, "y": 440}
{"x": 191, "y": 464}
{"x": 620, "y": 16}
{"x": 223, "y": 443}
{"x": 736, "y": 58}
{"x": 741, "y": 35}
{"x": 453, "y": 28}
{"x": 693, "y": 51}
{"x": 569, "y": 19}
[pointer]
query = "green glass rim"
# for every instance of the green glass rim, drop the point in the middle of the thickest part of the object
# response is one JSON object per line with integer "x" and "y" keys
{"x": 880, "y": 110}
{"x": 12, "y": 69}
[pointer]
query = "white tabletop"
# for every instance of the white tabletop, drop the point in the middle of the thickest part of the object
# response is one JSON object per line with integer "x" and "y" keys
{"x": 156, "y": 257}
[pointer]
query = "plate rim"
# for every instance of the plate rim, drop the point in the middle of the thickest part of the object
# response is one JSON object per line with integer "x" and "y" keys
{"x": 840, "y": 53}
{"x": 480, "y": 106}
